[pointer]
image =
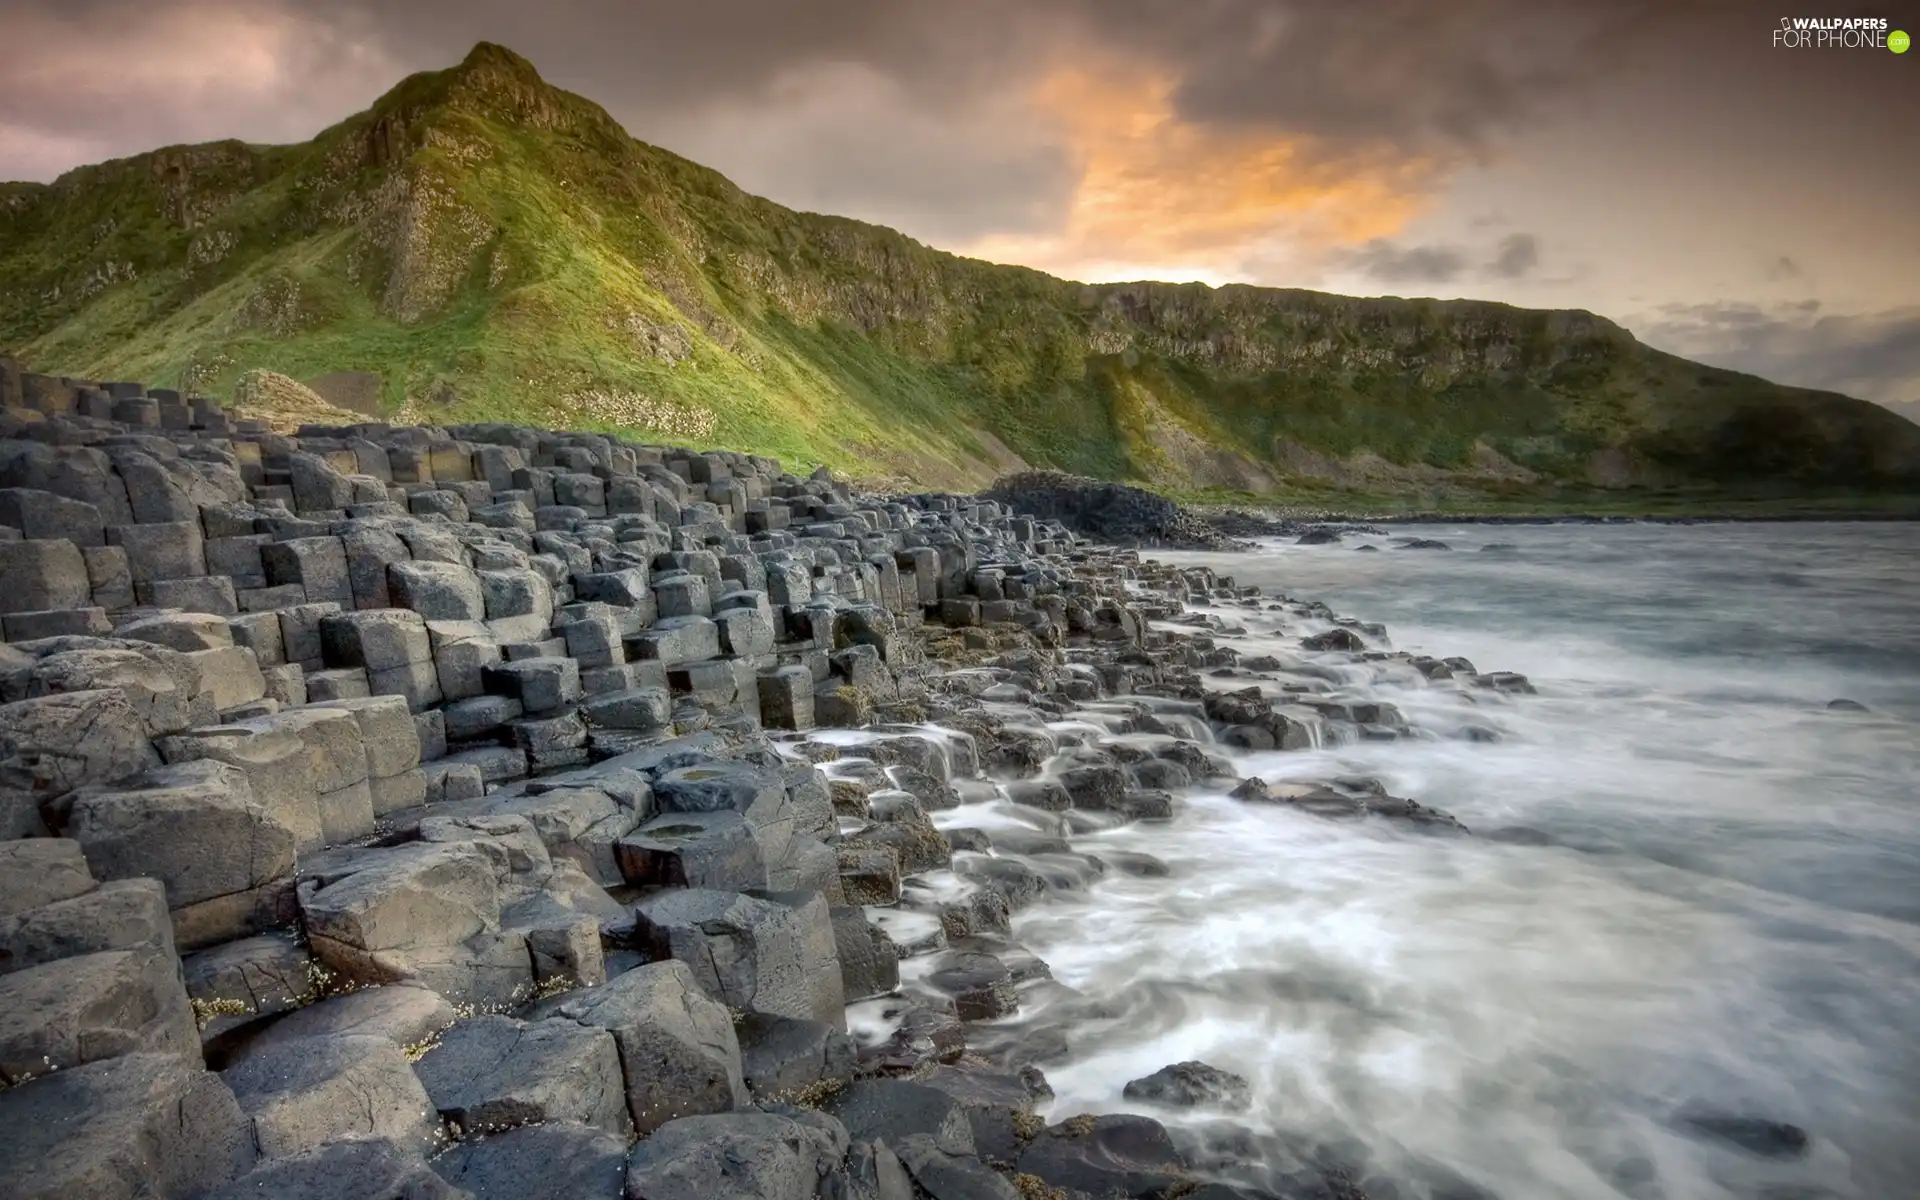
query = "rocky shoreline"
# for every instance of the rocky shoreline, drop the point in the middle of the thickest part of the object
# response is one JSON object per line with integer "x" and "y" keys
{"x": 490, "y": 811}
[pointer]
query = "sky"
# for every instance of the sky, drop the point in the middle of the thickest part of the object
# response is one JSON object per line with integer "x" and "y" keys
{"x": 1666, "y": 164}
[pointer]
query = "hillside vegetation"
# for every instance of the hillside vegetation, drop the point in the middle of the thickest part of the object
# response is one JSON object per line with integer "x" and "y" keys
{"x": 481, "y": 245}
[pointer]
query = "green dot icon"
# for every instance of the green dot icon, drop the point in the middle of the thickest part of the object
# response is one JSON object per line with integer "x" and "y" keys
{"x": 1898, "y": 41}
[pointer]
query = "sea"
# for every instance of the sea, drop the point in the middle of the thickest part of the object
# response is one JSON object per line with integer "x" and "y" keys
{"x": 1676, "y": 958}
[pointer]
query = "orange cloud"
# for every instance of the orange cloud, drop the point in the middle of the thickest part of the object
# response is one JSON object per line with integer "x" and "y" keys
{"x": 1160, "y": 195}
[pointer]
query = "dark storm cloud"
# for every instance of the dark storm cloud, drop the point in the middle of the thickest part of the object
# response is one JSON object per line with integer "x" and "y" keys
{"x": 1426, "y": 78}
{"x": 1517, "y": 256}
{"x": 1386, "y": 262}
{"x": 1872, "y": 355}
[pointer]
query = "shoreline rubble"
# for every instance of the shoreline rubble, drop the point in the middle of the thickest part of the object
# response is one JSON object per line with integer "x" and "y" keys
{"x": 490, "y": 810}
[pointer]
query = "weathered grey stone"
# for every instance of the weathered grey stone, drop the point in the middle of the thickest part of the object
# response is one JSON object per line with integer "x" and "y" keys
{"x": 1106, "y": 1156}
{"x": 387, "y": 731}
{"x": 890, "y": 1110}
{"x": 642, "y": 709}
{"x": 67, "y": 622}
{"x": 43, "y": 575}
{"x": 758, "y": 794}
{"x": 37, "y": 871}
{"x": 47, "y": 516}
{"x": 540, "y": 1162}
{"x": 541, "y": 685}
{"x": 1191, "y": 1085}
{"x": 785, "y": 1059}
{"x": 438, "y": 591}
{"x": 277, "y": 764}
{"x": 377, "y": 639}
{"x": 369, "y": 553}
{"x": 426, "y": 913}
{"x": 404, "y": 1014}
{"x": 317, "y": 565}
{"x": 160, "y": 685}
{"x": 582, "y": 825}
{"x": 110, "y": 576}
{"x": 676, "y": 640}
{"x": 870, "y": 873}
{"x": 336, "y": 752}
{"x": 246, "y": 980}
{"x": 677, "y": 1047}
{"x": 195, "y": 826}
{"x": 78, "y": 1010}
{"x": 123, "y": 914}
{"x": 207, "y": 594}
{"x": 752, "y": 954}
{"x": 748, "y": 1156}
{"x": 229, "y": 677}
{"x": 340, "y": 683}
{"x": 494, "y": 1073}
{"x": 869, "y": 962}
{"x": 302, "y": 1095}
{"x": 999, "y": 1105}
{"x": 353, "y": 1169}
{"x": 141, "y": 1125}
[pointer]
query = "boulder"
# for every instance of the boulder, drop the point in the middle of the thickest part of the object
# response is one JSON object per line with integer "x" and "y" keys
{"x": 495, "y": 1073}
{"x": 755, "y": 955}
{"x": 301, "y": 1095}
{"x": 78, "y": 1010}
{"x": 194, "y": 826}
{"x": 424, "y": 912}
{"x": 125, "y": 914}
{"x": 405, "y": 1014}
{"x": 786, "y": 1060}
{"x": 142, "y": 1125}
{"x": 678, "y": 1050}
{"x": 353, "y": 1169}
{"x": 747, "y": 1156}
{"x": 37, "y": 871}
{"x": 539, "y": 1162}
{"x": 891, "y": 1110}
{"x": 1191, "y": 1085}
{"x": 1122, "y": 1156}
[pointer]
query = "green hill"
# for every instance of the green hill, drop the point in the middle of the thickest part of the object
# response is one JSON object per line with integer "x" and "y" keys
{"x": 480, "y": 245}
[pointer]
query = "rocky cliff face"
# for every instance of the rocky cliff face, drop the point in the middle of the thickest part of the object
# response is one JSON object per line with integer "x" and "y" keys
{"x": 487, "y": 246}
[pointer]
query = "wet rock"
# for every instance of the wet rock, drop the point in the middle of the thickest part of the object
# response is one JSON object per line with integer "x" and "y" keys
{"x": 1121, "y": 1156}
{"x": 784, "y": 1059}
{"x": 890, "y": 1110}
{"x": 746, "y": 1156}
{"x": 999, "y": 1104}
{"x": 924, "y": 1034}
{"x": 980, "y": 985}
{"x": 1334, "y": 639}
{"x": 1191, "y": 1085}
{"x": 352, "y": 1169}
{"x": 1422, "y": 544}
{"x": 1755, "y": 1135}
{"x": 1844, "y": 705}
{"x": 539, "y": 1162}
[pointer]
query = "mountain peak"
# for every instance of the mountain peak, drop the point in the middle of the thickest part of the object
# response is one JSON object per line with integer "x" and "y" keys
{"x": 493, "y": 58}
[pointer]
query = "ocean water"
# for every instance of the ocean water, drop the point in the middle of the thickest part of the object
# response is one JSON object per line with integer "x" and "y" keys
{"x": 1692, "y": 890}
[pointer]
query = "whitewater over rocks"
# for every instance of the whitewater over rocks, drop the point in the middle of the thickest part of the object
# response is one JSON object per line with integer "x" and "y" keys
{"x": 492, "y": 811}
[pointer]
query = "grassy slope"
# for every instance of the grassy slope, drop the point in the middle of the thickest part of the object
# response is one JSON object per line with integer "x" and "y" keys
{"x": 495, "y": 248}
